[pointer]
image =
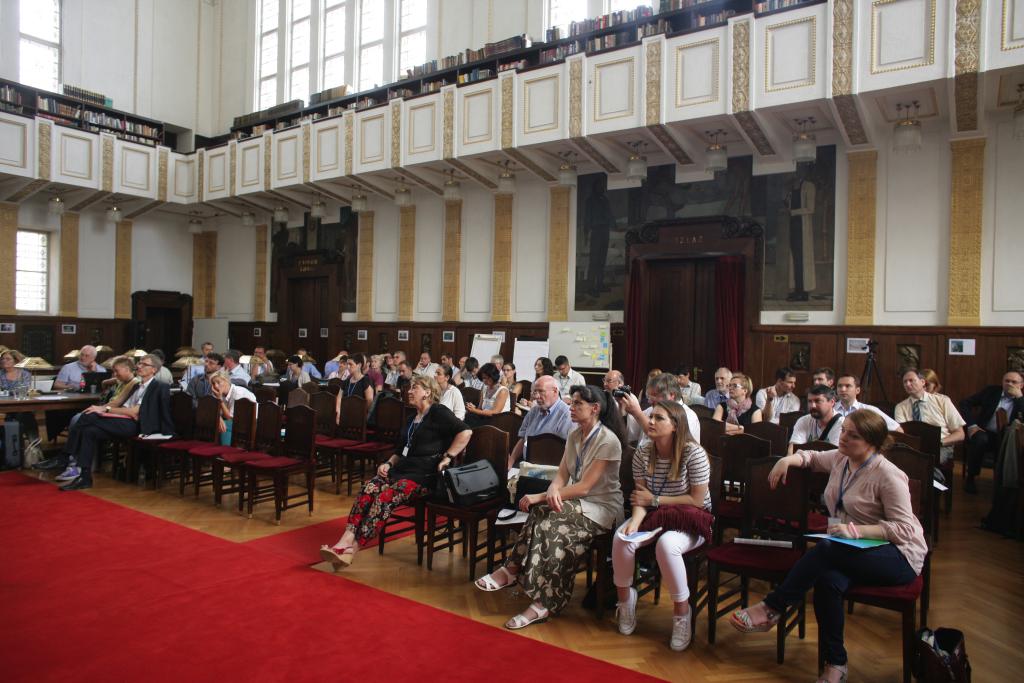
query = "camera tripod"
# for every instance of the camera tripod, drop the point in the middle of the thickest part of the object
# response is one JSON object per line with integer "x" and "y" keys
{"x": 871, "y": 371}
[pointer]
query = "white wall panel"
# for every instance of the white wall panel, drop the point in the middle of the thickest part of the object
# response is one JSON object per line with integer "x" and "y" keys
{"x": 477, "y": 118}
{"x": 421, "y": 129}
{"x": 371, "y": 137}
{"x": 530, "y": 216}
{"x": 162, "y": 255}
{"x": 17, "y": 145}
{"x": 429, "y": 285}
{"x": 236, "y": 262}
{"x": 1003, "y": 248}
{"x": 135, "y": 169}
{"x": 477, "y": 253}
{"x": 96, "y": 243}
{"x": 75, "y": 157}
{"x": 249, "y": 158}
{"x": 181, "y": 181}
{"x": 1004, "y": 38}
{"x": 694, "y": 75}
{"x": 216, "y": 174}
{"x": 327, "y": 149}
{"x": 385, "y": 259}
{"x": 902, "y": 41}
{"x": 791, "y": 63}
{"x": 287, "y": 158}
{"x": 613, "y": 91}
{"x": 540, "y": 106}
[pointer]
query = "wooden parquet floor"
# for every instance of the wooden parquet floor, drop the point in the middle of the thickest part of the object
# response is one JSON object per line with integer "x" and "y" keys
{"x": 977, "y": 586}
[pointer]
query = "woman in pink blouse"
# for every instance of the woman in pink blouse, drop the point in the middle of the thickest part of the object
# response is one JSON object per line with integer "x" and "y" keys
{"x": 871, "y": 499}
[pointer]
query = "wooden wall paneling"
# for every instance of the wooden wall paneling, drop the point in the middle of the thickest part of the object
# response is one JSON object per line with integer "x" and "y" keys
{"x": 113, "y": 333}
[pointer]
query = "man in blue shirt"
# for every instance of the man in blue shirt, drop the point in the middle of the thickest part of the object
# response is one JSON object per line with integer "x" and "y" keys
{"x": 235, "y": 370}
{"x": 70, "y": 376}
{"x": 720, "y": 394}
{"x": 549, "y": 415}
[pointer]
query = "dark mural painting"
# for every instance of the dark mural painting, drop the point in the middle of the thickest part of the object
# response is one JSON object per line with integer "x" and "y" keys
{"x": 796, "y": 209}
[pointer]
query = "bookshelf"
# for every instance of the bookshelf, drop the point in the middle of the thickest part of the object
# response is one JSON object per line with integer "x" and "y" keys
{"x": 83, "y": 112}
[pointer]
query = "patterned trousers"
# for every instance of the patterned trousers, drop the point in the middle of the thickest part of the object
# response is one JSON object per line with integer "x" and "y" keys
{"x": 375, "y": 503}
{"x": 548, "y": 550}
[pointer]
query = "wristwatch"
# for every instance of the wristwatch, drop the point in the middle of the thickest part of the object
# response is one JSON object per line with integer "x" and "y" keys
{"x": 106, "y": 409}
{"x": 657, "y": 501}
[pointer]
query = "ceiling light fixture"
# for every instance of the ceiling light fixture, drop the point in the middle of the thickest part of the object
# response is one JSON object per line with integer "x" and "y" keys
{"x": 195, "y": 224}
{"x": 507, "y": 180}
{"x": 717, "y": 158}
{"x": 248, "y": 219}
{"x": 567, "y": 170}
{"x": 403, "y": 196}
{"x": 318, "y": 210}
{"x": 280, "y": 215}
{"x": 451, "y": 188}
{"x": 359, "y": 203}
{"x": 636, "y": 166}
{"x": 114, "y": 214}
{"x": 906, "y": 134}
{"x": 1018, "y": 114}
{"x": 805, "y": 145}
{"x": 56, "y": 206}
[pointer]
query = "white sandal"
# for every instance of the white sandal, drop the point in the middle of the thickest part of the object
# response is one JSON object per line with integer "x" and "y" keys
{"x": 522, "y": 621}
{"x": 488, "y": 584}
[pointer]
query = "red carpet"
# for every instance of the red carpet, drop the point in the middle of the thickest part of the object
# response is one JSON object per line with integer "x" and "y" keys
{"x": 93, "y": 591}
{"x": 302, "y": 545}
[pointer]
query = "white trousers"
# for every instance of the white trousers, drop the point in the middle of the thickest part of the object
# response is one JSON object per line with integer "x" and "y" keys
{"x": 671, "y": 546}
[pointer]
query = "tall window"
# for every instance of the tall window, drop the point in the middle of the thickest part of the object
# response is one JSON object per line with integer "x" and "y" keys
{"x": 298, "y": 62}
{"x": 371, "y": 43}
{"x": 266, "y": 78}
{"x": 32, "y": 270}
{"x": 562, "y": 12}
{"x": 39, "y": 49}
{"x": 629, "y": 5}
{"x": 412, "y": 35}
{"x": 333, "y": 39}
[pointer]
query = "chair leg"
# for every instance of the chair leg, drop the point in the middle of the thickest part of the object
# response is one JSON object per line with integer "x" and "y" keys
{"x": 336, "y": 471}
{"x": 431, "y": 526}
{"x": 310, "y": 485}
{"x": 780, "y": 638}
{"x": 197, "y": 472}
{"x": 280, "y": 494}
{"x": 474, "y": 531}
{"x": 419, "y": 522}
{"x": 908, "y": 641}
{"x": 712, "y": 601}
{"x": 241, "y": 488}
{"x": 254, "y": 482}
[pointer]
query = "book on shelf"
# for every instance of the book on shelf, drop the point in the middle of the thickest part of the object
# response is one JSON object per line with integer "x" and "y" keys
{"x": 475, "y": 75}
{"x": 328, "y": 94}
{"x": 772, "y": 5}
{"x": 87, "y": 95}
{"x": 672, "y": 5}
{"x": 400, "y": 92}
{"x": 11, "y": 95}
{"x": 714, "y": 18}
{"x": 516, "y": 64}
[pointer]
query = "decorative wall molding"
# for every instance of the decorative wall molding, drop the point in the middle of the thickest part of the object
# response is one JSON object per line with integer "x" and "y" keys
{"x": 8, "y": 250}
{"x": 451, "y": 299}
{"x": 161, "y": 174}
{"x": 364, "y": 286}
{"x": 448, "y": 125}
{"x": 507, "y": 111}
{"x": 652, "y": 82}
{"x": 67, "y": 296}
{"x": 967, "y": 61}
{"x": 501, "y": 269}
{"x": 862, "y": 188}
{"x": 107, "y": 162}
{"x": 842, "y": 47}
{"x": 558, "y": 254}
{"x": 123, "y": 272}
{"x": 879, "y": 63}
{"x": 575, "y": 98}
{"x": 406, "y": 261}
{"x": 966, "y": 195}
{"x": 741, "y": 66}
{"x": 44, "y": 131}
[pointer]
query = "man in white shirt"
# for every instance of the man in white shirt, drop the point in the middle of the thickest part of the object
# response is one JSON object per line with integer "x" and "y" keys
{"x": 663, "y": 387}
{"x": 826, "y": 376}
{"x": 778, "y": 398}
{"x": 822, "y": 424}
{"x": 848, "y": 389}
{"x": 689, "y": 390}
{"x": 935, "y": 409}
{"x": 236, "y": 373}
{"x": 425, "y": 368}
{"x": 566, "y": 377}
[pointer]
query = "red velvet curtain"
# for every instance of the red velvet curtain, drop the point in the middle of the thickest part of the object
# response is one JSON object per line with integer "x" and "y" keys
{"x": 729, "y": 287}
{"x": 636, "y": 328}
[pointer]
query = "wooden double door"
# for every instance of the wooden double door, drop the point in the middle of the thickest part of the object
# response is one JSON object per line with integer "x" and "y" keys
{"x": 309, "y": 311}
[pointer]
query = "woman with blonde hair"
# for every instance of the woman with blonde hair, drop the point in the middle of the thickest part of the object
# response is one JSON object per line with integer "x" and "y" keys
{"x": 739, "y": 410}
{"x": 931, "y": 381}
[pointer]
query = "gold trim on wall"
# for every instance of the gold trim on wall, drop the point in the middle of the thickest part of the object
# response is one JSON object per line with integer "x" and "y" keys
{"x": 364, "y": 286}
{"x": 123, "y": 272}
{"x": 204, "y": 274}
{"x": 348, "y": 146}
{"x": 451, "y": 301}
{"x": 305, "y": 153}
{"x": 507, "y": 84}
{"x": 448, "y": 125}
{"x": 68, "y": 294}
{"x": 652, "y": 89}
{"x": 741, "y": 66}
{"x": 1006, "y": 40}
{"x": 501, "y": 272}
{"x": 860, "y": 237}
{"x": 261, "y": 273}
{"x": 406, "y": 261}
{"x": 44, "y": 131}
{"x": 107, "y": 162}
{"x": 268, "y": 156}
{"x": 967, "y": 61}
{"x": 396, "y": 134}
{"x": 968, "y": 172}
{"x": 8, "y": 249}
{"x": 201, "y": 169}
{"x": 161, "y": 174}
{"x": 558, "y": 254}
{"x": 233, "y": 160}
{"x": 842, "y": 47}
{"x": 576, "y": 98}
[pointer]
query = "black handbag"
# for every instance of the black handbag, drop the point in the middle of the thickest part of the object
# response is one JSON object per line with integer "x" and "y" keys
{"x": 472, "y": 484}
{"x": 941, "y": 656}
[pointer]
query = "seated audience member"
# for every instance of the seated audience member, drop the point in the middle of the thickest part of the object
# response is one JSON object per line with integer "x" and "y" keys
{"x": 405, "y": 375}
{"x": 663, "y": 387}
{"x": 447, "y": 360}
{"x": 468, "y": 377}
{"x": 931, "y": 381}
{"x": 778, "y": 398}
{"x": 390, "y": 370}
{"x": 871, "y": 498}
{"x": 227, "y": 392}
{"x": 645, "y": 403}
{"x": 357, "y": 383}
{"x": 451, "y": 397}
{"x": 408, "y": 474}
{"x": 206, "y": 348}
{"x": 309, "y": 364}
{"x": 164, "y": 376}
{"x": 336, "y": 367}
{"x": 375, "y": 374}
{"x": 822, "y": 423}
{"x": 425, "y": 368}
{"x": 689, "y": 390}
{"x": 935, "y": 409}
{"x": 979, "y": 411}
{"x": 70, "y": 376}
{"x": 498, "y": 361}
{"x": 826, "y": 376}
{"x": 199, "y": 385}
{"x": 146, "y": 411}
{"x": 613, "y": 380}
{"x": 671, "y": 469}
{"x": 295, "y": 371}
{"x": 549, "y": 415}
{"x": 720, "y": 394}
{"x": 235, "y": 371}
{"x": 262, "y": 372}
{"x": 399, "y": 357}
{"x": 261, "y": 353}
{"x": 508, "y": 376}
{"x": 543, "y": 366}
{"x": 341, "y": 371}
{"x": 584, "y": 500}
{"x": 13, "y": 379}
{"x": 494, "y": 398}
{"x": 848, "y": 389}
{"x": 739, "y": 410}
{"x": 566, "y": 377}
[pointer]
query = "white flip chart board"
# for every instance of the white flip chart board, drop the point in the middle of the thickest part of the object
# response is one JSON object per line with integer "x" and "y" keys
{"x": 585, "y": 344}
{"x": 525, "y": 354}
{"x": 485, "y": 346}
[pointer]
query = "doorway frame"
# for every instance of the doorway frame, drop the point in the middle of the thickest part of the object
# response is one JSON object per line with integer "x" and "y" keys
{"x": 155, "y": 298}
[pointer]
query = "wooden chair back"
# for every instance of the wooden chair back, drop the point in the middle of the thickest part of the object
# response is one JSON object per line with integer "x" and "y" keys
{"x": 929, "y": 434}
{"x": 491, "y": 444}
{"x": 391, "y": 419}
{"x": 817, "y": 445}
{"x": 207, "y": 419}
{"x": 788, "y": 420}
{"x": 715, "y": 484}
{"x": 1002, "y": 419}
{"x": 736, "y": 450}
{"x": 311, "y": 388}
{"x": 351, "y": 419}
{"x": 546, "y": 449}
{"x": 265, "y": 394}
{"x": 711, "y": 433}
{"x": 268, "y": 428}
{"x": 626, "y": 480}
{"x": 325, "y": 407}
{"x": 300, "y": 433}
{"x": 780, "y": 512}
{"x": 906, "y": 439}
{"x": 772, "y": 433}
{"x": 333, "y": 389}
{"x": 243, "y": 424}
{"x": 508, "y": 422}
{"x": 182, "y": 414}
{"x": 298, "y": 397}
{"x": 919, "y": 469}
{"x": 470, "y": 395}
{"x": 702, "y": 410}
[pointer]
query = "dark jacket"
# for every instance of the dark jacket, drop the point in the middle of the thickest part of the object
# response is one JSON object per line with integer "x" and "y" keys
{"x": 985, "y": 402}
{"x": 155, "y": 410}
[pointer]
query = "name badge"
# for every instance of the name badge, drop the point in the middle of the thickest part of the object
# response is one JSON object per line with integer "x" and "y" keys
{"x": 405, "y": 451}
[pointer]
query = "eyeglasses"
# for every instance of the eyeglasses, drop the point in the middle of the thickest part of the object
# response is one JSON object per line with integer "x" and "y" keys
{"x": 737, "y": 386}
{"x": 145, "y": 365}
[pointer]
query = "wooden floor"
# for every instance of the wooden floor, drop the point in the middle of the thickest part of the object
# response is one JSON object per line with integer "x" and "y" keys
{"x": 977, "y": 586}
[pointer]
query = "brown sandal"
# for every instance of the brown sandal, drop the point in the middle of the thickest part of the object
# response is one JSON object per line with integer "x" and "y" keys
{"x": 843, "y": 673}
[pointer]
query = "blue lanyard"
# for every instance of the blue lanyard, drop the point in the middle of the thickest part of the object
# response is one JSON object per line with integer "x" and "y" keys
{"x": 844, "y": 486}
{"x": 582, "y": 453}
{"x": 413, "y": 426}
{"x": 350, "y": 390}
{"x": 664, "y": 481}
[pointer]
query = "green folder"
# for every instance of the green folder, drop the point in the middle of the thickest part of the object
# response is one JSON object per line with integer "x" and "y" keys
{"x": 855, "y": 542}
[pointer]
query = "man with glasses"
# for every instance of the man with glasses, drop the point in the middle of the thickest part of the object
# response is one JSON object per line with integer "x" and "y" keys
{"x": 935, "y": 409}
{"x": 549, "y": 415}
{"x": 720, "y": 394}
{"x": 663, "y": 387}
{"x": 983, "y": 433}
{"x": 199, "y": 385}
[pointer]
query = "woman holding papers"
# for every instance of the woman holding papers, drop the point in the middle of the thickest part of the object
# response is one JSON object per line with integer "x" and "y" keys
{"x": 869, "y": 498}
{"x": 669, "y": 470}
{"x": 584, "y": 500}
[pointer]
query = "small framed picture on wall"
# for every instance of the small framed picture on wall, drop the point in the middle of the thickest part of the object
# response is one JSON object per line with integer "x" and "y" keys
{"x": 323, "y": 333}
{"x": 403, "y": 335}
{"x": 448, "y": 336}
{"x": 6, "y": 328}
{"x": 303, "y": 333}
{"x": 68, "y": 329}
{"x": 361, "y": 335}
{"x": 257, "y": 331}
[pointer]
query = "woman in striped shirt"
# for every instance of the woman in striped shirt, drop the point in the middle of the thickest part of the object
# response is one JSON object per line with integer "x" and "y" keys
{"x": 671, "y": 469}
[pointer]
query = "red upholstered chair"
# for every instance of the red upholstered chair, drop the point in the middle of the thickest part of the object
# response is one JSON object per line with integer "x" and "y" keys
{"x": 297, "y": 457}
{"x": 711, "y": 433}
{"x": 243, "y": 427}
{"x": 229, "y": 468}
{"x": 903, "y": 599}
{"x": 779, "y": 514}
{"x": 141, "y": 450}
{"x": 348, "y": 430}
{"x": 771, "y": 432}
{"x": 491, "y": 444}
{"x": 172, "y": 456}
{"x": 390, "y": 422}
{"x": 324, "y": 404}
{"x": 735, "y": 450}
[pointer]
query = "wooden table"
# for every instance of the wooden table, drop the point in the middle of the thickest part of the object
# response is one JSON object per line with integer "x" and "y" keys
{"x": 44, "y": 402}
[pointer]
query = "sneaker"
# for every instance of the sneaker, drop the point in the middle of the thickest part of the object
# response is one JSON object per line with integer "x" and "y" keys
{"x": 681, "y": 633}
{"x": 70, "y": 474}
{"x": 625, "y": 612}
